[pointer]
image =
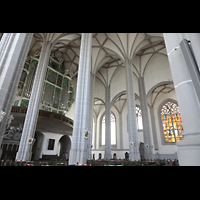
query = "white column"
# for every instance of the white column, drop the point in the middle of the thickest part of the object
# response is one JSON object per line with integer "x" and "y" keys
{"x": 94, "y": 139}
{"x": 132, "y": 125}
{"x": 91, "y": 109}
{"x": 121, "y": 129}
{"x": 25, "y": 149}
{"x": 78, "y": 151}
{"x": 13, "y": 52}
{"x": 189, "y": 147}
{"x": 153, "y": 125}
{"x": 148, "y": 142}
{"x": 195, "y": 43}
{"x": 108, "y": 153}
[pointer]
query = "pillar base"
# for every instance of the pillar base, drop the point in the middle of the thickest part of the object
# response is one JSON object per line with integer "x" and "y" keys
{"x": 23, "y": 155}
{"x": 108, "y": 154}
{"x": 149, "y": 153}
{"x": 72, "y": 157}
{"x": 189, "y": 156}
{"x": 189, "y": 150}
{"x": 134, "y": 156}
{"x": 78, "y": 156}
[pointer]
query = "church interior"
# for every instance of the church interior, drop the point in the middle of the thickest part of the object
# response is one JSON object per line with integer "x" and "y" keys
{"x": 106, "y": 99}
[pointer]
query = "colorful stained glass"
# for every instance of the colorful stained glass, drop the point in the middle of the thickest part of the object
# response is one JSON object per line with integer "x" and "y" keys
{"x": 172, "y": 123}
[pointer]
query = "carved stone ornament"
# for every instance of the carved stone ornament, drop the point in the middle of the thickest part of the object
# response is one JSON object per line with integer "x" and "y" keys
{"x": 31, "y": 140}
{"x": 13, "y": 133}
{"x": 2, "y": 114}
{"x": 86, "y": 134}
{"x": 10, "y": 120}
{"x": 131, "y": 144}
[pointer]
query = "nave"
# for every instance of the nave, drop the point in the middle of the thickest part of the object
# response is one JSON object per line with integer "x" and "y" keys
{"x": 114, "y": 92}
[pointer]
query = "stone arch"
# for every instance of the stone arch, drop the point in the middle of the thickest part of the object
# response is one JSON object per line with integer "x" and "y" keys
{"x": 37, "y": 146}
{"x": 149, "y": 93}
{"x": 65, "y": 146}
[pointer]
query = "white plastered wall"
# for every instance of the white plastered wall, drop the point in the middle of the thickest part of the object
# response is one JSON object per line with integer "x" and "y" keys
{"x": 56, "y": 137}
{"x": 99, "y": 90}
{"x": 157, "y": 70}
{"x": 163, "y": 148}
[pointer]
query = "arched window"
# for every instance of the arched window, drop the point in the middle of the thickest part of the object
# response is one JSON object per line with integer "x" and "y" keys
{"x": 113, "y": 130}
{"x": 139, "y": 118}
{"x": 172, "y": 123}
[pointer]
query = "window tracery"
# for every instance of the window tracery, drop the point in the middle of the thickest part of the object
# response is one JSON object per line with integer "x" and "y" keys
{"x": 172, "y": 122}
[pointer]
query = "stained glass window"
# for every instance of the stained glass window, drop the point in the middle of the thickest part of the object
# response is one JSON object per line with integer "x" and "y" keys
{"x": 172, "y": 123}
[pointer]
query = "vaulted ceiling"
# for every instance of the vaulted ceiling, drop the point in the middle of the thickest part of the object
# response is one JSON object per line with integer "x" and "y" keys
{"x": 109, "y": 50}
{"x": 162, "y": 88}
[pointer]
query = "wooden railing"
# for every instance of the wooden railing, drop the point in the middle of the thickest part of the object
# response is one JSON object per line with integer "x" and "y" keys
{"x": 43, "y": 113}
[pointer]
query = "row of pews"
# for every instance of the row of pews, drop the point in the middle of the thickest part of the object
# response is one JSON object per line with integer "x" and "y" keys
{"x": 99, "y": 162}
{"x": 126, "y": 162}
{"x": 33, "y": 163}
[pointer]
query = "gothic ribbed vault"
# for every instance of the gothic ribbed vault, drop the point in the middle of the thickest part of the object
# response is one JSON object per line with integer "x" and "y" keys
{"x": 109, "y": 50}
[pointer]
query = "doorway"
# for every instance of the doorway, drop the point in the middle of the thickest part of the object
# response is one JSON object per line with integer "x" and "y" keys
{"x": 65, "y": 146}
{"x": 141, "y": 150}
{"x": 37, "y": 146}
